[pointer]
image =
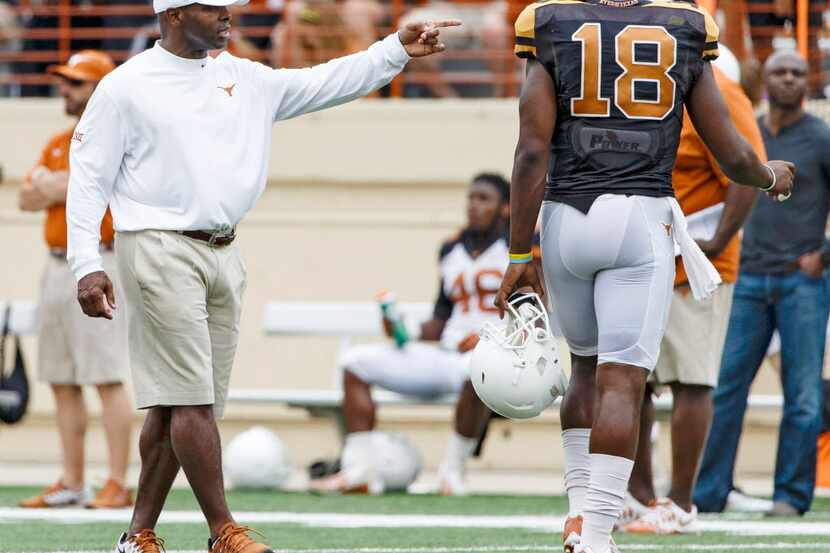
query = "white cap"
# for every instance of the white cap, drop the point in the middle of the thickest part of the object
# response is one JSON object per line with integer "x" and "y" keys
{"x": 163, "y": 5}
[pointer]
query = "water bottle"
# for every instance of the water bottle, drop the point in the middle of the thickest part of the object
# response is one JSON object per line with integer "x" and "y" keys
{"x": 389, "y": 309}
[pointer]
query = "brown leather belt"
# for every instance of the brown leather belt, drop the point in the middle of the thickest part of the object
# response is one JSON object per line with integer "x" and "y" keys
{"x": 212, "y": 238}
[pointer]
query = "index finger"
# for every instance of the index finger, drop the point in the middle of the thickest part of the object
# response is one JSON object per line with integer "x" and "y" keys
{"x": 500, "y": 302}
{"x": 447, "y": 23}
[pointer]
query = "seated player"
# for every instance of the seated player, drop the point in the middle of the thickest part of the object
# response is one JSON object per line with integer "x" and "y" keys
{"x": 471, "y": 267}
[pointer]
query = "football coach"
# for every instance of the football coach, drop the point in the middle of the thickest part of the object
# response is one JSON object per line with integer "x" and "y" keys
{"x": 177, "y": 144}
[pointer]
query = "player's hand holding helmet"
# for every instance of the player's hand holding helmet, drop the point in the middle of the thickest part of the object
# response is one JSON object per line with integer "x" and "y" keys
{"x": 515, "y": 369}
{"x": 783, "y": 175}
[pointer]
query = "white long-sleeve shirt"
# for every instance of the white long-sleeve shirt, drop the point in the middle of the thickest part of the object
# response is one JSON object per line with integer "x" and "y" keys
{"x": 182, "y": 144}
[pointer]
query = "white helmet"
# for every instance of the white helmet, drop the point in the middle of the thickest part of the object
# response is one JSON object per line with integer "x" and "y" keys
{"x": 398, "y": 461}
{"x": 515, "y": 370}
{"x": 256, "y": 458}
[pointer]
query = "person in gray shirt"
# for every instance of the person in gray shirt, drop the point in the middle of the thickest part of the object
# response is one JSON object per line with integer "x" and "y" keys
{"x": 781, "y": 286}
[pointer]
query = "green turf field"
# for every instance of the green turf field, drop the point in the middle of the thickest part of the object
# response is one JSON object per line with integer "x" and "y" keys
{"x": 394, "y": 524}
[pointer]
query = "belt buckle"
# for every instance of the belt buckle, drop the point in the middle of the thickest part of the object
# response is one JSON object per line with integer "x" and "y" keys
{"x": 223, "y": 231}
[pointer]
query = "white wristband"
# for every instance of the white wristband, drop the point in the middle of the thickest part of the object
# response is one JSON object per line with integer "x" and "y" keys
{"x": 774, "y": 179}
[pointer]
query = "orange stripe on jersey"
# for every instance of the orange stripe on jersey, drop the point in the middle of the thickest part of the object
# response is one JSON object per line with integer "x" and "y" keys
{"x": 526, "y": 33}
{"x": 526, "y": 27}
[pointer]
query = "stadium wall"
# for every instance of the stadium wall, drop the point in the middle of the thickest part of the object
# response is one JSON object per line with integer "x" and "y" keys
{"x": 360, "y": 198}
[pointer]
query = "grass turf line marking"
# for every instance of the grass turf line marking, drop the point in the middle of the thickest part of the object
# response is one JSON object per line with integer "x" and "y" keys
{"x": 357, "y": 520}
{"x": 523, "y": 548}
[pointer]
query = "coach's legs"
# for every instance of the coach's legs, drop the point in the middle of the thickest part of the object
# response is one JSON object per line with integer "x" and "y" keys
{"x": 159, "y": 467}
{"x": 195, "y": 440}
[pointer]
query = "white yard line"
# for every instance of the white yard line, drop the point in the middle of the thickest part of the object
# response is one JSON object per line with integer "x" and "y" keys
{"x": 782, "y": 546}
{"x": 359, "y": 520}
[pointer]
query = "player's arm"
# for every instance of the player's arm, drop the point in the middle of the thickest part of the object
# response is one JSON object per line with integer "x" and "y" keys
{"x": 299, "y": 91}
{"x": 735, "y": 156}
{"x": 432, "y": 329}
{"x": 537, "y": 120}
{"x": 95, "y": 158}
{"x": 737, "y": 205}
{"x": 739, "y": 199}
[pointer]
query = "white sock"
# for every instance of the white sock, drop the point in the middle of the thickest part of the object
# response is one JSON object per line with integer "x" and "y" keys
{"x": 358, "y": 453}
{"x": 605, "y": 499}
{"x": 575, "y": 442}
{"x": 459, "y": 449}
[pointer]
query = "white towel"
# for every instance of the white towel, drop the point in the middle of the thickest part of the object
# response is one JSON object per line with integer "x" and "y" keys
{"x": 703, "y": 277}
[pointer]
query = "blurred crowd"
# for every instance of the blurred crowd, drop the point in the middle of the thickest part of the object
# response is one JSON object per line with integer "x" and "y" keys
{"x": 281, "y": 33}
{"x": 300, "y": 33}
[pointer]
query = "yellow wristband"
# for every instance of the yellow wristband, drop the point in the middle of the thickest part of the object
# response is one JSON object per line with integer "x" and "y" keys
{"x": 521, "y": 257}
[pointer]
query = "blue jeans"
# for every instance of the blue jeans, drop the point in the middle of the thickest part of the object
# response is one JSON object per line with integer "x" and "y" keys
{"x": 797, "y": 306}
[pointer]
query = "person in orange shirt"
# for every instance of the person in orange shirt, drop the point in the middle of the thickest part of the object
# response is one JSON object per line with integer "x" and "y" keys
{"x": 691, "y": 350}
{"x": 76, "y": 350}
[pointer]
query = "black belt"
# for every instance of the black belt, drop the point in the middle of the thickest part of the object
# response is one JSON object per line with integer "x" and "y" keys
{"x": 212, "y": 238}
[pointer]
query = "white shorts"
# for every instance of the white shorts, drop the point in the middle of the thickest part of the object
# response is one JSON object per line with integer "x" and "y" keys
{"x": 610, "y": 275}
{"x": 418, "y": 369}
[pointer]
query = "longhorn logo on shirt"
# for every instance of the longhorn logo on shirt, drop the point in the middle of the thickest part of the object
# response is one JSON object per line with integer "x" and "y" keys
{"x": 228, "y": 89}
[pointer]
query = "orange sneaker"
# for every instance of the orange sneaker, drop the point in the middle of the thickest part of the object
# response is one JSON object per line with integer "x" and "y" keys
{"x": 145, "y": 541}
{"x": 233, "y": 538}
{"x": 112, "y": 496}
{"x": 57, "y": 495}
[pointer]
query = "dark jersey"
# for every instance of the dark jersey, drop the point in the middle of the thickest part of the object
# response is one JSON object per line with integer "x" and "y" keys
{"x": 622, "y": 71}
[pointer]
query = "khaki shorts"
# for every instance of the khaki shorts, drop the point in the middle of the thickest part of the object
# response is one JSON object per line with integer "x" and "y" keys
{"x": 74, "y": 348}
{"x": 693, "y": 344}
{"x": 185, "y": 300}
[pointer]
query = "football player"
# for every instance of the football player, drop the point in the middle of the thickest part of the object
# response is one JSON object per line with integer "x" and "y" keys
{"x": 471, "y": 264}
{"x": 600, "y": 118}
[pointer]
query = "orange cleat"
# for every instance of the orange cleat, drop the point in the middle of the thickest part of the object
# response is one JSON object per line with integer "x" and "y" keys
{"x": 145, "y": 541}
{"x": 233, "y": 538}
